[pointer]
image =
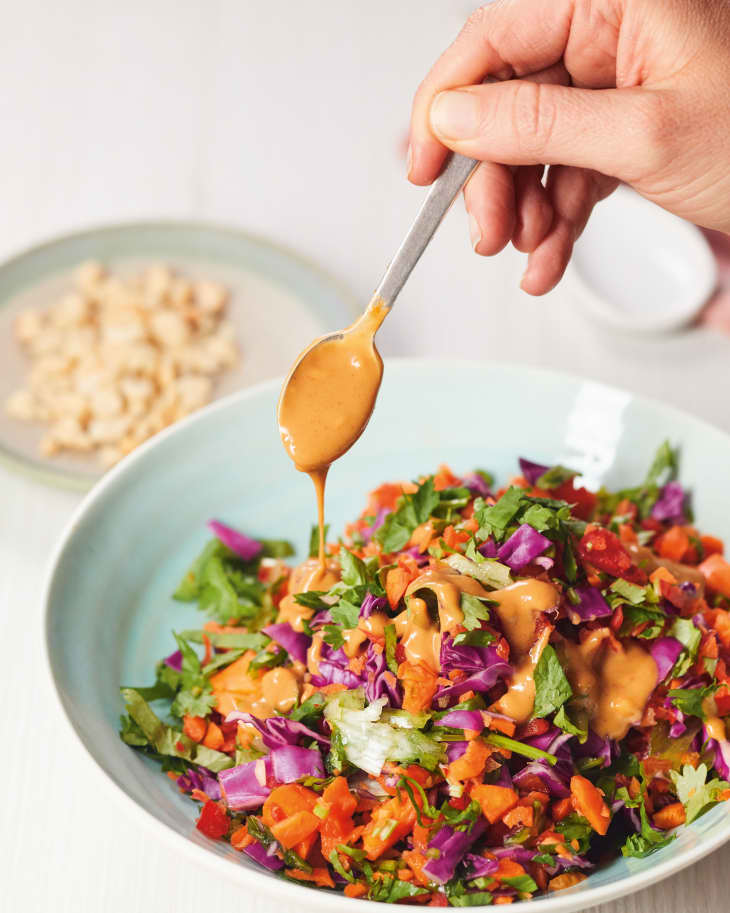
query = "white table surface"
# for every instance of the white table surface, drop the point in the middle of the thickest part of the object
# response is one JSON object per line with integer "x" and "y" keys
{"x": 287, "y": 119}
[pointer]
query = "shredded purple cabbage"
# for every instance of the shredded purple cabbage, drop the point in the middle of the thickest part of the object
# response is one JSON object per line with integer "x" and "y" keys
{"x": 265, "y": 857}
{"x": 454, "y": 750}
{"x": 242, "y": 545}
{"x": 245, "y": 786}
{"x": 379, "y": 681}
{"x": 372, "y": 604}
{"x": 548, "y": 776}
{"x": 277, "y": 730}
{"x": 174, "y": 661}
{"x": 464, "y": 719}
{"x": 721, "y": 747}
{"x": 476, "y": 484}
{"x": 464, "y": 657}
{"x": 670, "y": 505}
{"x": 334, "y": 669}
{"x": 591, "y": 605}
{"x": 532, "y": 471}
{"x": 369, "y": 531}
{"x": 488, "y": 548}
{"x": 290, "y": 763}
{"x": 452, "y": 846}
{"x": 665, "y": 652}
{"x": 522, "y": 547}
{"x": 482, "y": 680}
{"x": 295, "y": 644}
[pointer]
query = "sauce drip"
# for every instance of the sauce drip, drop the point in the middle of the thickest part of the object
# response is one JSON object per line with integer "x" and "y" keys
{"x": 328, "y": 398}
{"x": 613, "y": 682}
{"x": 311, "y": 575}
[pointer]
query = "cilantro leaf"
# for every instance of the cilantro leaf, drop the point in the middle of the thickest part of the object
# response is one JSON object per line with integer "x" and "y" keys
{"x": 495, "y": 519}
{"x": 684, "y": 630}
{"x": 552, "y": 688}
{"x": 690, "y": 700}
{"x": 644, "y": 843}
{"x": 475, "y": 638}
{"x": 393, "y": 890}
{"x": 475, "y": 611}
{"x": 354, "y": 572}
{"x": 664, "y": 465}
{"x": 314, "y": 539}
{"x": 390, "y": 644}
{"x": 345, "y": 614}
{"x": 333, "y": 636}
{"x": 311, "y": 709}
{"x": 412, "y": 510}
{"x": 563, "y": 721}
{"x": 523, "y": 884}
{"x": 192, "y": 704}
{"x": 229, "y": 639}
{"x": 693, "y": 790}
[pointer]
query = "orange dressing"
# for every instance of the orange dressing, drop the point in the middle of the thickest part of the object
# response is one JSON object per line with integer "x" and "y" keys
{"x": 611, "y": 681}
{"x": 328, "y": 398}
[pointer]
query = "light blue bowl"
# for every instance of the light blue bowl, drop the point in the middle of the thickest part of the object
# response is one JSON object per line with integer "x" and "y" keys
{"x": 109, "y": 611}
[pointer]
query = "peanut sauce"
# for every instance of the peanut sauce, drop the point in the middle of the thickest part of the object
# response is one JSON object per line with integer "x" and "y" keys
{"x": 328, "y": 398}
{"x": 612, "y": 682}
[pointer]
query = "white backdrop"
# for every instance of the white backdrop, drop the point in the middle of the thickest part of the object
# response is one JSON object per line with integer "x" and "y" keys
{"x": 288, "y": 119}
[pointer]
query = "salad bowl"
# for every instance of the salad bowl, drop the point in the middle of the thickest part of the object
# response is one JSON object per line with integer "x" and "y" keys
{"x": 109, "y": 610}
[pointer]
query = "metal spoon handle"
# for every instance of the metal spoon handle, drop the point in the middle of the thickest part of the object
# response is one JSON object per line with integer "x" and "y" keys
{"x": 442, "y": 194}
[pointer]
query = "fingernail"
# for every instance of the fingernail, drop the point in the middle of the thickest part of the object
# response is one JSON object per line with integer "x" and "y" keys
{"x": 475, "y": 232}
{"x": 455, "y": 115}
{"x": 409, "y": 160}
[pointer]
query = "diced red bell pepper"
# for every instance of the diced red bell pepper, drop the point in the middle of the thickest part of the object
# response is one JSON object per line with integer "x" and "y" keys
{"x": 602, "y": 549}
{"x": 584, "y": 500}
{"x": 213, "y": 821}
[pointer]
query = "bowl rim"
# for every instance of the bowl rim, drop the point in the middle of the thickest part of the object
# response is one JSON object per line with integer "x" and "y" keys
{"x": 560, "y": 902}
{"x": 40, "y": 469}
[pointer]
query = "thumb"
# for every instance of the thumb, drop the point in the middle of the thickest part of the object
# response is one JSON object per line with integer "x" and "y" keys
{"x": 619, "y": 132}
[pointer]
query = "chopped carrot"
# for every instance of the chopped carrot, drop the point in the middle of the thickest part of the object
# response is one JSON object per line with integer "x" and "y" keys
{"x": 471, "y": 763}
{"x": 241, "y": 838}
{"x": 498, "y": 725}
{"x": 213, "y": 737}
{"x": 396, "y": 583}
{"x": 716, "y": 571}
{"x": 355, "y": 890}
{"x": 495, "y": 801}
{"x": 670, "y": 816}
{"x": 419, "y": 687}
{"x": 444, "y": 478}
{"x": 194, "y": 727}
{"x": 521, "y": 815}
{"x": 566, "y": 880}
{"x": 416, "y": 860}
{"x": 284, "y": 801}
{"x": 562, "y": 808}
{"x": 662, "y": 573}
{"x": 712, "y": 545}
{"x": 389, "y": 823}
{"x": 295, "y": 828}
{"x": 588, "y": 801}
{"x": 654, "y": 765}
{"x": 627, "y": 534}
{"x": 673, "y": 544}
{"x": 319, "y": 876}
{"x": 508, "y": 868}
{"x": 208, "y": 650}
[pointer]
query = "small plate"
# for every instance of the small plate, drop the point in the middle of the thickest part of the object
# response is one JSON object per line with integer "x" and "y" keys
{"x": 278, "y": 302}
{"x": 638, "y": 268}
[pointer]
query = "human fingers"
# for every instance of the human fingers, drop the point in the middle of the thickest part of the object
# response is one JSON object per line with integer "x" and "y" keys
{"x": 573, "y": 192}
{"x": 489, "y": 197}
{"x": 502, "y": 39}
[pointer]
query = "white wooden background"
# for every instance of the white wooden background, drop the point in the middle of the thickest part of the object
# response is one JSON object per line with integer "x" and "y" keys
{"x": 288, "y": 119}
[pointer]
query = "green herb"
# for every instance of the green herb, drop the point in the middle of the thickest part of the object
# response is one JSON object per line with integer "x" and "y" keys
{"x": 411, "y": 511}
{"x": 575, "y": 827}
{"x": 333, "y": 636}
{"x": 276, "y": 548}
{"x": 563, "y": 721}
{"x": 189, "y": 587}
{"x": 354, "y": 572}
{"x": 336, "y": 757}
{"x": 393, "y": 890}
{"x": 690, "y": 700}
{"x": 475, "y": 638}
{"x": 334, "y": 861}
{"x": 227, "y": 640}
{"x": 488, "y": 571}
{"x": 684, "y": 630}
{"x": 475, "y": 611}
{"x": 523, "y": 884}
{"x": 664, "y": 465}
{"x": 636, "y": 595}
{"x": 528, "y": 751}
{"x": 314, "y": 539}
{"x": 268, "y": 659}
{"x": 311, "y": 709}
{"x": 644, "y": 843}
{"x": 653, "y": 617}
{"x": 344, "y": 613}
{"x": 163, "y": 739}
{"x": 390, "y": 644}
{"x": 312, "y": 600}
{"x": 552, "y": 688}
{"x": 195, "y": 697}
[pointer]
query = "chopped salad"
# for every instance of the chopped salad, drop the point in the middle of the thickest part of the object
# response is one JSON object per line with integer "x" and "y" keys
{"x": 481, "y": 697}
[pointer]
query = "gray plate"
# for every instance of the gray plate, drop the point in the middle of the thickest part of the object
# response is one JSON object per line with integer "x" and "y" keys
{"x": 279, "y": 303}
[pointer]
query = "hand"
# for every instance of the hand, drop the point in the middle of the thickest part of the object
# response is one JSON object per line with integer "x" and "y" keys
{"x": 602, "y": 91}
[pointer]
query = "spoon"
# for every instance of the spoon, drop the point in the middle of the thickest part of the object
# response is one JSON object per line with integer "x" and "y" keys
{"x": 329, "y": 394}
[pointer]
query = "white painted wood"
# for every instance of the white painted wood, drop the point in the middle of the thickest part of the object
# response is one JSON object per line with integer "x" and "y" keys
{"x": 288, "y": 119}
